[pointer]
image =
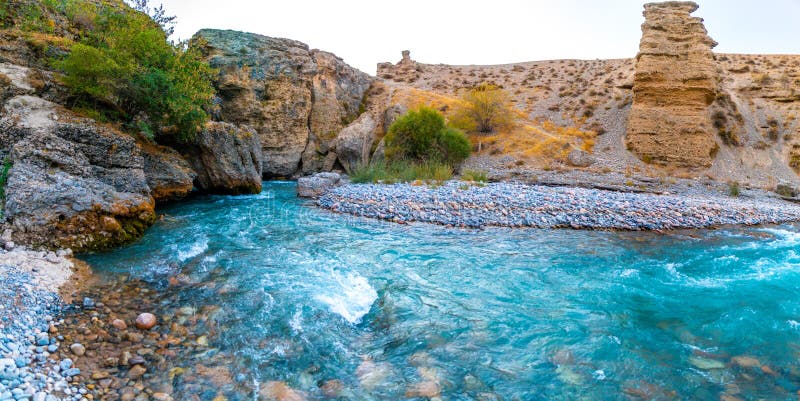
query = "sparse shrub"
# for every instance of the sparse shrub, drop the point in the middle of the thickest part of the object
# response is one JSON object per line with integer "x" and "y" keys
{"x": 421, "y": 136}
{"x": 733, "y": 189}
{"x": 762, "y": 79}
{"x": 785, "y": 190}
{"x": 474, "y": 176}
{"x": 728, "y": 137}
{"x": 3, "y": 181}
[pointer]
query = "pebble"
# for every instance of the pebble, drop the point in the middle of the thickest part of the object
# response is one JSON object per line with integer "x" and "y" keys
{"x": 77, "y": 349}
{"x": 145, "y": 321}
{"x": 119, "y": 324}
{"x": 506, "y": 204}
{"x": 136, "y": 372}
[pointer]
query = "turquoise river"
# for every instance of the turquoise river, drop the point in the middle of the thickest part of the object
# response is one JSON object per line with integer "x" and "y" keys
{"x": 350, "y": 308}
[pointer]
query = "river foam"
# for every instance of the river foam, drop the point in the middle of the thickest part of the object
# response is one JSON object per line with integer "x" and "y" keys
{"x": 349, "y": 295}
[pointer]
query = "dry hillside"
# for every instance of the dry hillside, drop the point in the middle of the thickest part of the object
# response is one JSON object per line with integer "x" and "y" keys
{"x": 751, "y": 129}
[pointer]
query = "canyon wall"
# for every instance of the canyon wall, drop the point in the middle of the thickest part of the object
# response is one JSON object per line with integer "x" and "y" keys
{"x": 296, "y": 99}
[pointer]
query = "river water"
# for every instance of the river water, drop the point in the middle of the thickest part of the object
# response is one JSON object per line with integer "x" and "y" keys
{"x": 382, "y": 311}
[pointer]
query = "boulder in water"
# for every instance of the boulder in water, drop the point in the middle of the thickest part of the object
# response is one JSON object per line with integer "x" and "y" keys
{"x": 318, "y": 184}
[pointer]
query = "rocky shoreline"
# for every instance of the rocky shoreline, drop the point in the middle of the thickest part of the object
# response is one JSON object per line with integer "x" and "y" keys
{"x": 29, "y": 330}
{"x": 460, "y": 204}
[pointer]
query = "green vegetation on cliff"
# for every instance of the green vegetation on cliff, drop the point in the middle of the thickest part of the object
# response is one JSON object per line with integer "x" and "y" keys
{"x": 121, "y": 65}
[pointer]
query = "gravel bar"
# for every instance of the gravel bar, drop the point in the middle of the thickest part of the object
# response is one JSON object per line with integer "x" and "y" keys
{"x": 520, "y": 205}
{"x": 29, "y": 304}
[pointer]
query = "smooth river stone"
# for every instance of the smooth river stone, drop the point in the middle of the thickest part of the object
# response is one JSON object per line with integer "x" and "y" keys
{"x": 145, "y": 321}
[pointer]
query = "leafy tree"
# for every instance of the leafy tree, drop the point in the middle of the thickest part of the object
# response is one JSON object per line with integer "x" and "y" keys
{"x": 126, "y": 67}
{"x": 158, "y": 14}
{"x": 484, "y": 109}
{"x": 422, "y": 136}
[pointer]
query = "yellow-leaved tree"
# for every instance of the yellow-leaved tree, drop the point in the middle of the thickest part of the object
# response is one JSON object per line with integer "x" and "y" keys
{"x": 484, "y": 109}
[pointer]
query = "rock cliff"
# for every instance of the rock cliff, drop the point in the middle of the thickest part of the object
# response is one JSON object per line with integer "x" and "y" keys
{"x": 296, "y": 99}
{"x": 73, "y": 183}
{"x": 674, "y": 84}
{"x": 227, "y": 159}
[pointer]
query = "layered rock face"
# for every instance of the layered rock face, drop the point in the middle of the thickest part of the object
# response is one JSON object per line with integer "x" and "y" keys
{"x": 169, "y": 175}
{"x": 73, "y": 182}
{"x": 674, "y": 84}
{"x": 227, "y": 159}
{"x": 296, "y": 99}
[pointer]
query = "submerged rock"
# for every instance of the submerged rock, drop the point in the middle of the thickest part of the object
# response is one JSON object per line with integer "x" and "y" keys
{"x": 705, "y": 363}
{"x": 145, "y": 321}
{"x": 279, "y": 391}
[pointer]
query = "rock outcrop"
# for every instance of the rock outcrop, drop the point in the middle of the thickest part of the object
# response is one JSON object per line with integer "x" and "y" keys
{"x": 296, "y": 99}
{"x": 674, "y": 84}
{"x": 406, "y": 70}
{"x": 354, "y": 142}
{"x": 314, "y": 186}
{"x": 74, "y": 183}
{"x": 169, "y": 175}
{"x": 227, "y": 159}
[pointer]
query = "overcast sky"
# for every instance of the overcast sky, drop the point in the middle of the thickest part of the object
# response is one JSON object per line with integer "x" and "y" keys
{"x": 365, "y": 32}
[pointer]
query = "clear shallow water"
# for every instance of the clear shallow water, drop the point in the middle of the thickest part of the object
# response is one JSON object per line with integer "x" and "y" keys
{"x": 308, "y": 296}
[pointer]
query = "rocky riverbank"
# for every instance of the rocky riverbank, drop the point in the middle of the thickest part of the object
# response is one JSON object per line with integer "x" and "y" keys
{"x": 518, "y": 205}
{"x": 29, "y": 328}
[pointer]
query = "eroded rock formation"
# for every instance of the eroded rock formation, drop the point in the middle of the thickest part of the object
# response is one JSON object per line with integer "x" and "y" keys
{"x": 74, "y": 183}
{"x": 406, "y": 70}
{"x": 296, "y": 99}
{"x": 227, "y": 159}
{"x": 674, "y": 84}
{"x": 169, "y": 175}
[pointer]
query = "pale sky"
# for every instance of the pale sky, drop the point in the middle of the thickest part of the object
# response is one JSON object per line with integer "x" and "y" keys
{"x": 365, "y": 32}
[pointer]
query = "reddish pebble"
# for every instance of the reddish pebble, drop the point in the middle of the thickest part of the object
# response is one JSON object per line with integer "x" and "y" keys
{"x": 145, "y": 321}
{"x": 119, "y": 324}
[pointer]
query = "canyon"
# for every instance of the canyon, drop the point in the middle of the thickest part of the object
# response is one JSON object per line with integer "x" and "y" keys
{"x": 282, "y": 110}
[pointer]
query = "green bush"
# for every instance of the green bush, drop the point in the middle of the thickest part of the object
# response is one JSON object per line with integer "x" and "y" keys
{"x": 125, "y": 67}
{"x": 454, "y": 146}
{"x": 422, "y": 136}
